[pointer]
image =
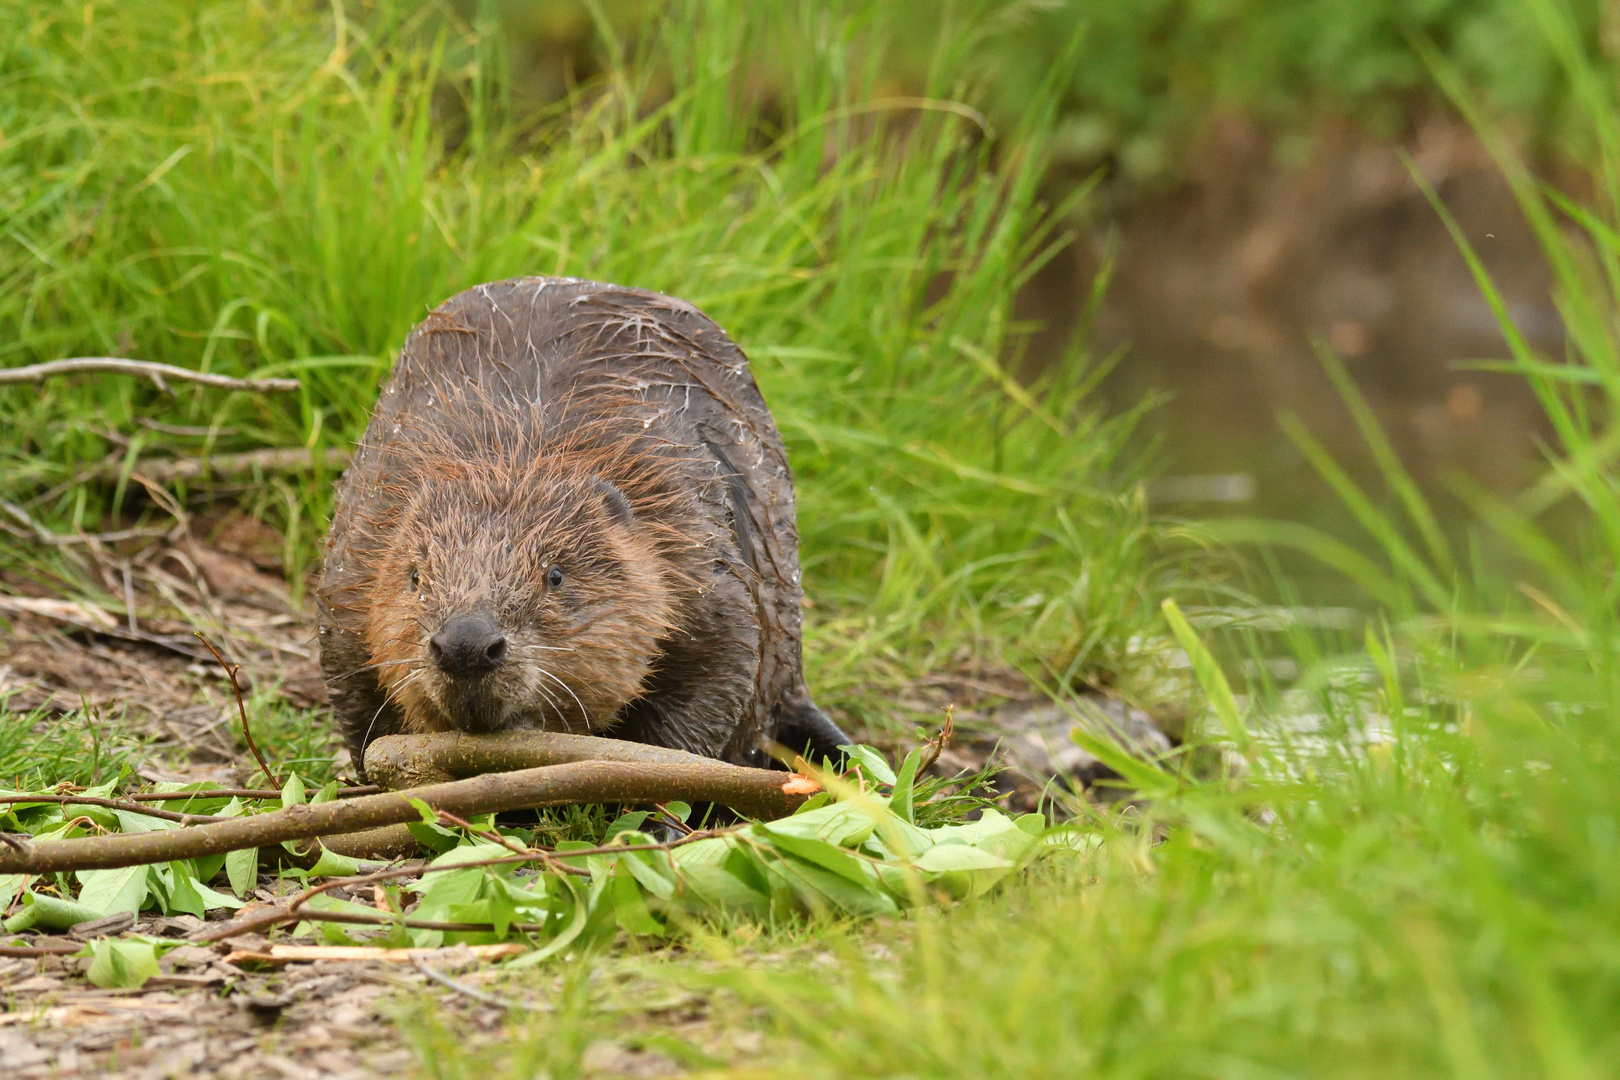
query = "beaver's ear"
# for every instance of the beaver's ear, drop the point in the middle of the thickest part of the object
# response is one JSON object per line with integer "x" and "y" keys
{"x": 617, "y": 504}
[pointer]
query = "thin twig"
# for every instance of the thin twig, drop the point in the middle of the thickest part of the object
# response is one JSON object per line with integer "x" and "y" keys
{"x": 462, "y": 988}
{"x": 939, "y": 742}
{"x": 158, "y": 373}
{"x": 238, "y": 793}
{"x": 484, "y": 834}
{"x": 671, "y": 819}
{"x": 241, "y": 707}
{"x": 114, "y": 804}
{"x": 51, "y": 948}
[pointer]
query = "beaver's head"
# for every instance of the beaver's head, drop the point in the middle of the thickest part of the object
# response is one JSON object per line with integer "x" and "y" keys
{"x": 516, "y": 598}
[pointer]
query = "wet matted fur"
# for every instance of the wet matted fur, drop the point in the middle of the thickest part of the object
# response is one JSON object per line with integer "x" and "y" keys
{"x": 588, "y": 474}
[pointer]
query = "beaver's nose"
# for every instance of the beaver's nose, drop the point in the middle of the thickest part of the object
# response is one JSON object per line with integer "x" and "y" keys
{"x": 468, "y": 644}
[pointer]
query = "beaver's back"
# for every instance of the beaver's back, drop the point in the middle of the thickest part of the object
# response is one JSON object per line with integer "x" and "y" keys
{"x": 586, "y": 353}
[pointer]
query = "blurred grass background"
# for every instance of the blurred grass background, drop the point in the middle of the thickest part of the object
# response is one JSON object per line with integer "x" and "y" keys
{"x": 1410, "y": 867}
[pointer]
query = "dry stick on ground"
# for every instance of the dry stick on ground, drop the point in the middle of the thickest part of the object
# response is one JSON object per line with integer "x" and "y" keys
{"x": 241, "y": 708}
{"x": 168, "y": 470}
{"x": 146, "y": 369}
{"x": 462, "y": 988}
{"x": 755, "y": 792}
{"x": 49, "y": 948}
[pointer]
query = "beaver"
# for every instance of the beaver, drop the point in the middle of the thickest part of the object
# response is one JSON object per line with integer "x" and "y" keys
{"x": 571, "y": 511}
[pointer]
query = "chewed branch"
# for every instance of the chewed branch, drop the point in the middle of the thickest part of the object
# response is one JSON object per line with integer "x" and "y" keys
{"x": 755, "y": 792}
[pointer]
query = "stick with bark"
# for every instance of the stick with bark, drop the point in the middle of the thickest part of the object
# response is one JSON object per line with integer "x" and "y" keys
{"x": 754, "y": 792}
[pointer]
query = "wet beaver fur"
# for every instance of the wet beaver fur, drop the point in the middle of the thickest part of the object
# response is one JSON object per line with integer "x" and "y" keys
{"x": 571, "y": 511}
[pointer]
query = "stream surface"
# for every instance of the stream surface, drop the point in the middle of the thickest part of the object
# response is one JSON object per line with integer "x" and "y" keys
{"x": 1221, "y": 286}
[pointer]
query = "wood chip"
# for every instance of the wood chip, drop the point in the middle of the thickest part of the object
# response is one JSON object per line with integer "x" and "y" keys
{"x": 392, "y": 956}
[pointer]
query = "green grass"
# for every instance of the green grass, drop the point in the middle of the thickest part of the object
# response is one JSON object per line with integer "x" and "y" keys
{"x": 260, "y": 188}
{"x": 83, "y": 746}
{"x": 1412, "y": 870}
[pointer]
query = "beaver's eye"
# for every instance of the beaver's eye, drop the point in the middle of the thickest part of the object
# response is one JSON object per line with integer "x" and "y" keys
{"x": 554, "y": 577}
{"x": 416, "y": 580}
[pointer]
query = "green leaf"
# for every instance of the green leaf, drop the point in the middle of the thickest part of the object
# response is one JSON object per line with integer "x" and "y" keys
{"x": 131, "y": 822}
{"x": 629, "y": 907}
{"x": 626, "y": 823}
{"x": 331, "y": 864}
{"x": 204, "y": 867}
{"x": 429, "y": 817}
{"x": 821, "y": 890}
{"x": 577, "y": 913}
{"x": 962, "y": 871}
{"x": 653, "y": 870}
{"x": 1144, "y": 776}
{"x": 183, "y": 894}
{"x": 678, "y": 810}
{"x": 871, "y": 763}
{"x": 900, "y": 798}
{"x": 46, "y": 912}
{"x": 327, "y": 794}
{"x": 846, "y": 824}
{"x": 717, "y": 875}
{"x": 945, "y": 858}
{"x": 822, "y": 854}
{"x": 292, "y": 793}
{"x": 433, "y": 837}
{"x": 107, "y": 891}
{"x": 242, "y": 868}
{"x": 10, "y": 885}
{"x": 123, "y": 965}
{"x": 212, "y": 898}
{"x": 814, "y": 802}
{"x": 996, "y": 833}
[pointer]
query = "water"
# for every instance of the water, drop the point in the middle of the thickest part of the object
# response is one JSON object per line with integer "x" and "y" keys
{"x": 1221, "y": 285}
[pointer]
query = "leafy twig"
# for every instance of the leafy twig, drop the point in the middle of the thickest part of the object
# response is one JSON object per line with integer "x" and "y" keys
{"x": 755, "y": 792}
{"x": 266, "y": 917}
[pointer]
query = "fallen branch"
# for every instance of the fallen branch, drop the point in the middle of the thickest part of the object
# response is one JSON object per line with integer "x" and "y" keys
{"x": 158, "y": 373}
{"x": 168, "y": 470}
{"x": 754, "y": 792}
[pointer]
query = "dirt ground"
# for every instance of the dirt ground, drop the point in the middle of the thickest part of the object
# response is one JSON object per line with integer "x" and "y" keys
{"x": 219, "y": 1011}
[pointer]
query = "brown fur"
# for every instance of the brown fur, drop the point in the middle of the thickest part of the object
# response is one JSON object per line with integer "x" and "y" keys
{"x": 617, "y": 436}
